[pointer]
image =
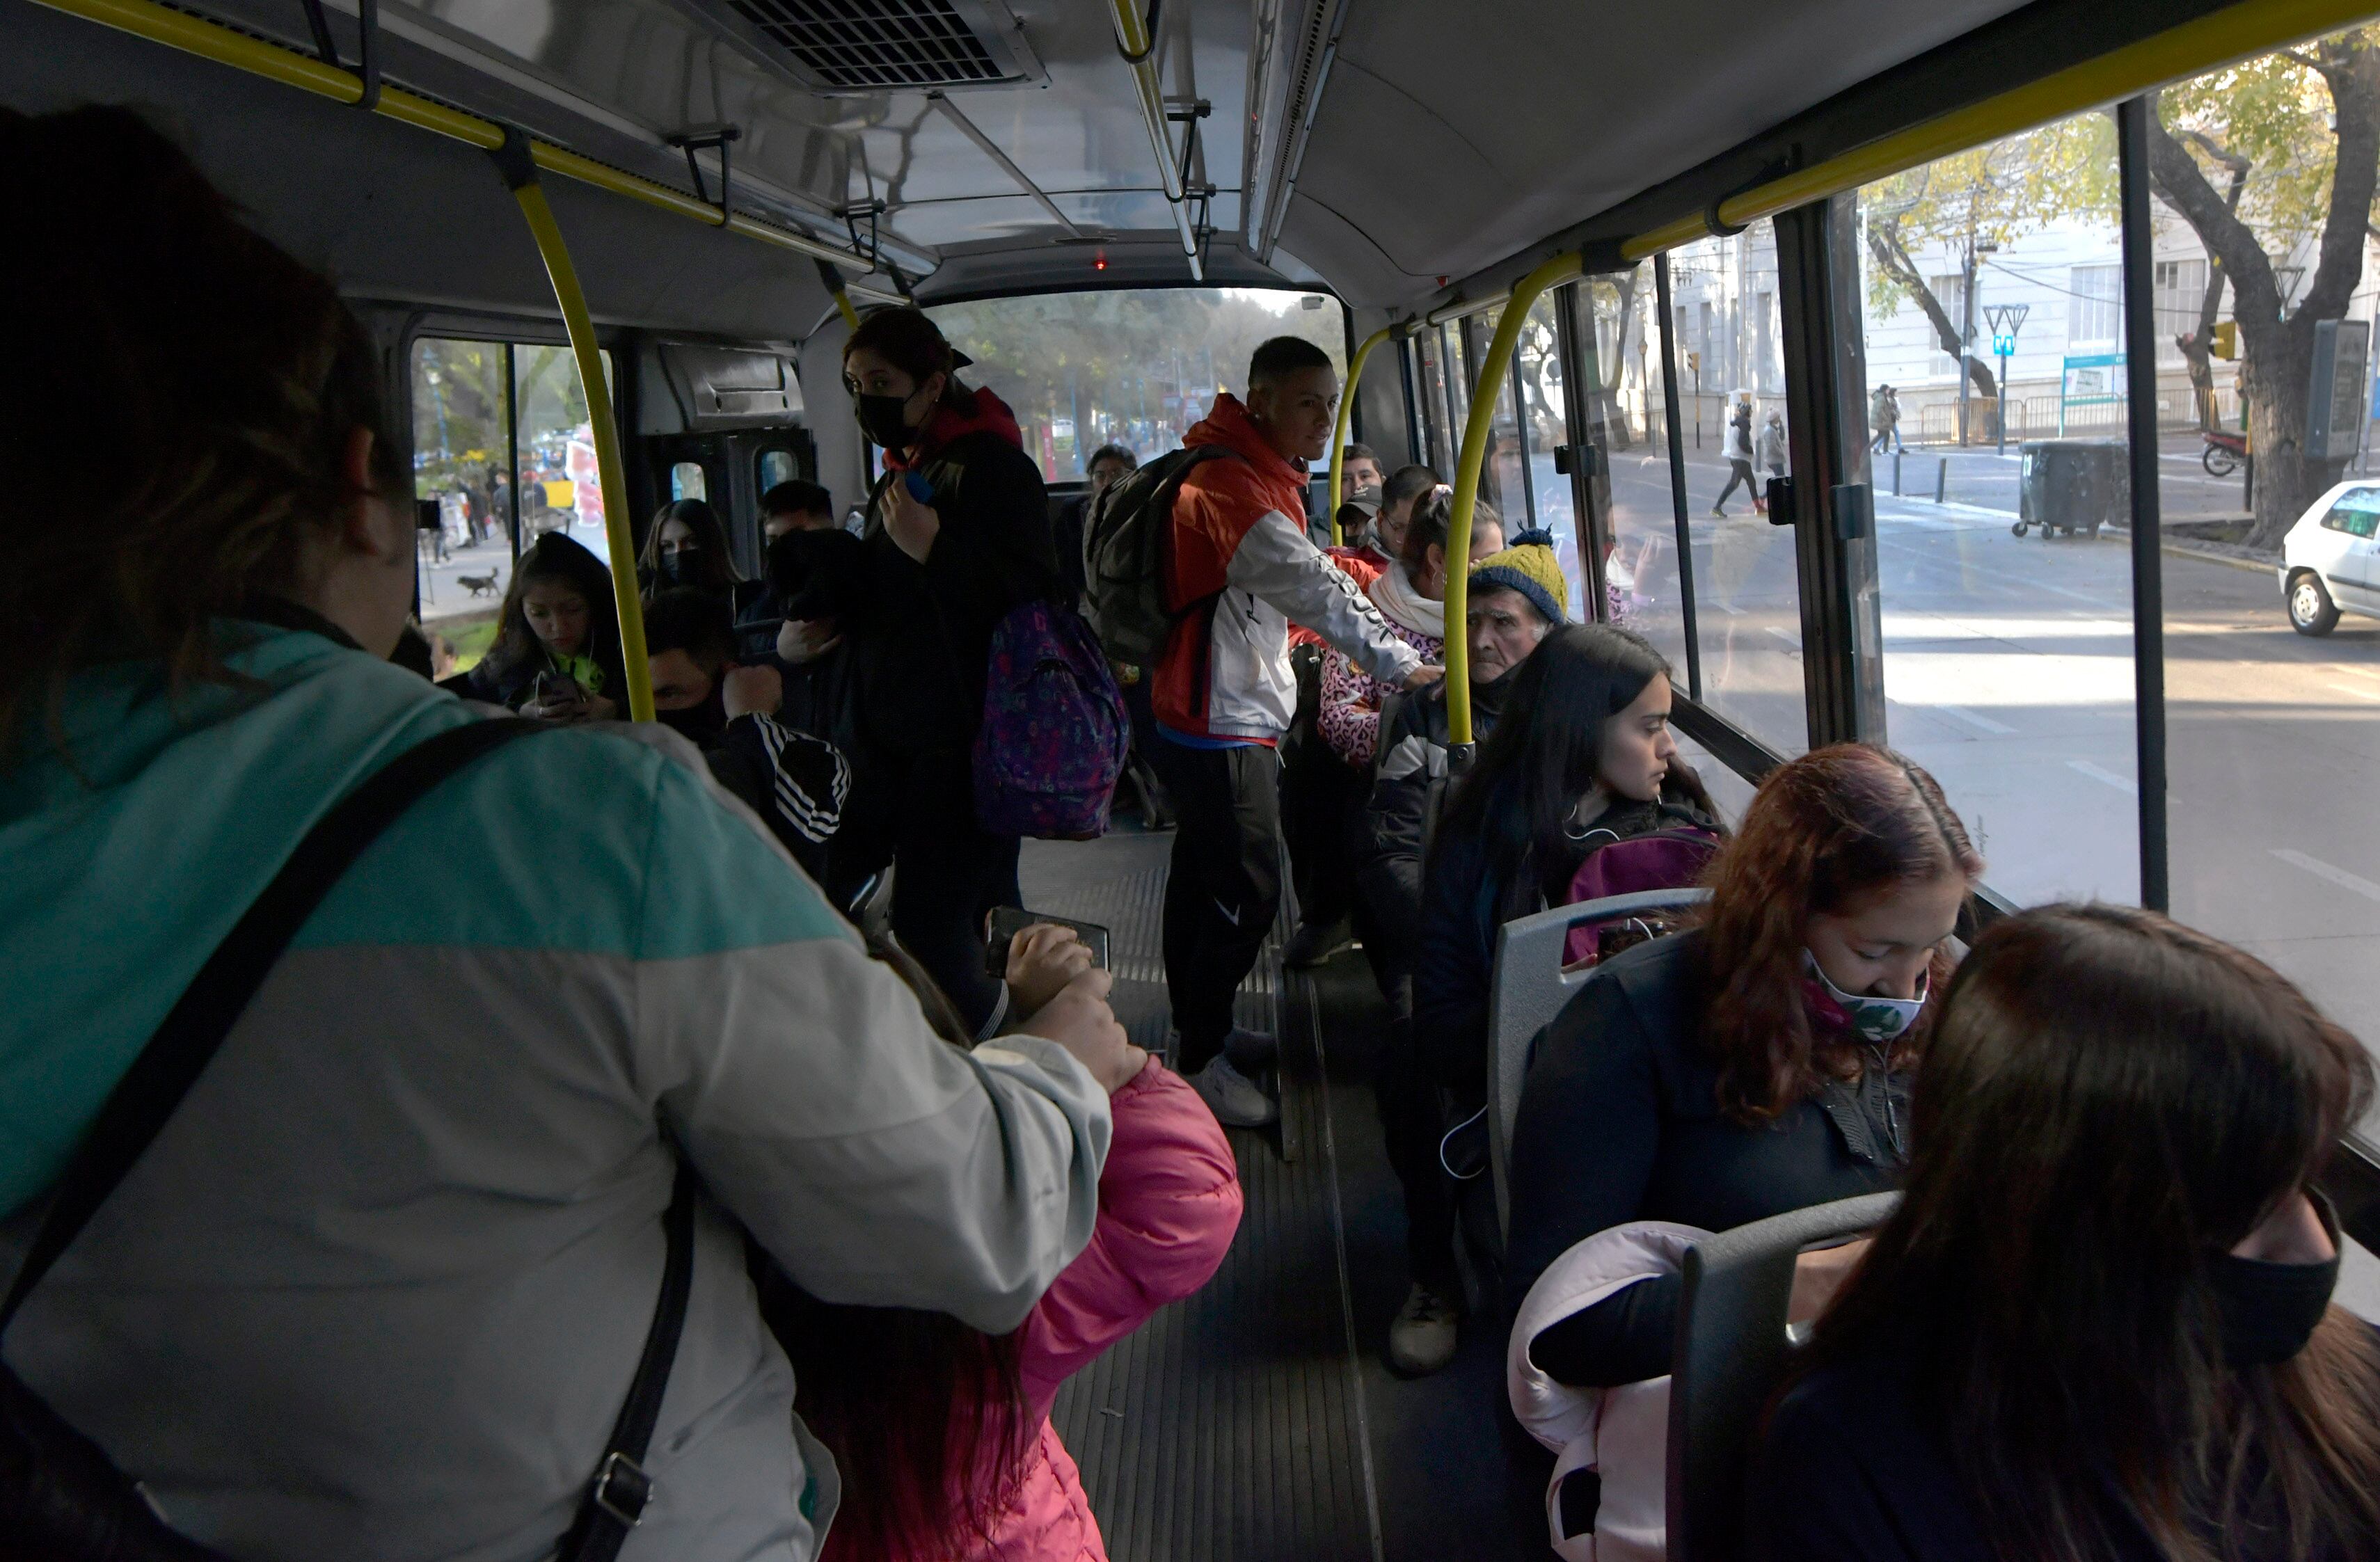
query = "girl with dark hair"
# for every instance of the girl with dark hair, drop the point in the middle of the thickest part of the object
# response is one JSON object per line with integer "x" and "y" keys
{"x": 957, "y": 537}
{"x": 2098, "y": 1326}
{"x": 1756, "y": 1064}
{"x": 557, "y": 651}
{"x": 1411, "y": 594}
{"x": 687, "y": 546}
{"x": 941, "y": 1432}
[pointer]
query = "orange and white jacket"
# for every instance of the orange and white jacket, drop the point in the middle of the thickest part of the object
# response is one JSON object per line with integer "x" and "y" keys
{"x": 1239, "y": 571}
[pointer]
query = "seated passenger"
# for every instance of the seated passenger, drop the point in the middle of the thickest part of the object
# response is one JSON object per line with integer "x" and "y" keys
{"x": 1411, "y": 594}
{"x": 796, "y": 781}
{"x": 380, "y": 1286}
{"x": 795, "y": 505}
{"x": 557, "y": 651}
{"x": 1406, "y": 489}
{"x": 2099, "y": 1324}
{"x": 1757, "y": 1064}
{"x": 686, "y": 548}
{"x": 791, "y": 506}
{"x": 940, "y": 1432}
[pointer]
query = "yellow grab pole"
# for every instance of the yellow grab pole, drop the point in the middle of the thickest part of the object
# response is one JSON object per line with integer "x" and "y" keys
{"x": 520, "y": 173}
{"x": 1339, "y": 434}
{"x": 1560, "y": 269}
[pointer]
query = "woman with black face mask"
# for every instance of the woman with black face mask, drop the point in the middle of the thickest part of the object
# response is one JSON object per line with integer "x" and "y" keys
{"x": 687, "y": 547}
{"x": 2099, "y": 1326}
{"x": 957, "y": 537}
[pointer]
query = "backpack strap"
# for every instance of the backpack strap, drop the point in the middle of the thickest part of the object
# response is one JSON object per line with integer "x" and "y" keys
{"x": 192, "y": 1032}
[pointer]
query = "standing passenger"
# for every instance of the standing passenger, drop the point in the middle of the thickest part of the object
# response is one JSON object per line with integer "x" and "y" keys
{"x": 1240, "y": 568}
{"x": 1756, "y": 1065}
{"x": 1109, "y": 464}
{"x": 942, "y": 570}
{"x": 2099, "y": 1324}
{"x": 381, "y": 1284}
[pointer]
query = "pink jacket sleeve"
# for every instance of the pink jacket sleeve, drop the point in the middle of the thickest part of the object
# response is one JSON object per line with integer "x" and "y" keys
{"x": 1169, "y": 1205}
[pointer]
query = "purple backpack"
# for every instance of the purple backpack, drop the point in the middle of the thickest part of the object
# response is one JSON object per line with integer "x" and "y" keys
{"x": 1055, "y": 733}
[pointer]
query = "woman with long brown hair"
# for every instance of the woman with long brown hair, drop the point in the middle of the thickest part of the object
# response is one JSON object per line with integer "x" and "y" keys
{"x": 2098, "y": 1326}
{"x": 1755, "y": 1064}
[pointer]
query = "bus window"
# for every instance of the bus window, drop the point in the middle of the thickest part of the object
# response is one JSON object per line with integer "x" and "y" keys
{"x": 2007, "y": 649}
{"x": 2270, "y": 730}
{"x": 687, "y": 482}
{"x": 1429, "y": 377}
{"x": 1537, "y": 369}
{"x": 778, "y": 467}
{"x": 560, "y": 489}
{"x": 1504, "y": 479}
{"x": 460, "y": 439}
{"x": 1747, "y": 585}
{"x": 1624, "y": 421}
{"x": 1134, "y": 367}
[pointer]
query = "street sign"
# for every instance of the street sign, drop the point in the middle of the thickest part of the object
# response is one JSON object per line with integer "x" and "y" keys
{"x": 2004, "y": 345}
{"x": 2335, "y": 407}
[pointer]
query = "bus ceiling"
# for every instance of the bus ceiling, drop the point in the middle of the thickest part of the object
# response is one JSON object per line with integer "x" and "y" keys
{"x": 1365, "y": 146}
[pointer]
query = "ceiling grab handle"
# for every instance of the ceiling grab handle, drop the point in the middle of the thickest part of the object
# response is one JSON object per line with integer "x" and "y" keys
{"x": 709, "y": 138}
{"x": 834, "y": 286}
{"x": 513, "y": 160}
{"x": 326, "y": 48}
{"x": 1339, "y": 433}
{"x": 1560, "y": 269}
{"x": 1136, "y": 41}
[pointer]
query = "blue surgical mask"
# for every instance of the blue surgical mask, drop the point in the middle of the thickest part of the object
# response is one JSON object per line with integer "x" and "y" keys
{"x": 1873, "y": 1020}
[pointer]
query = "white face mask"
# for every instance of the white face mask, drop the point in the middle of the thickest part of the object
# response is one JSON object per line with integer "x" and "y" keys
{"x": 1873, "y": 1020}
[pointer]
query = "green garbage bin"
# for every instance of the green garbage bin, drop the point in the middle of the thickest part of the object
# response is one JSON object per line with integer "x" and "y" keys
{"x": 2066, "y": 486}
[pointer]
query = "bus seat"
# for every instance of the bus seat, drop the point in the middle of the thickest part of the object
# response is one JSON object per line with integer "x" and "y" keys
{"x": 1527, "y": 989}
{"x": 1732, "y": 1353}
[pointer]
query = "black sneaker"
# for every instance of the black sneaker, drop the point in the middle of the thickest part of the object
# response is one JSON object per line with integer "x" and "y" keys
{"x": 1313, "y": 944}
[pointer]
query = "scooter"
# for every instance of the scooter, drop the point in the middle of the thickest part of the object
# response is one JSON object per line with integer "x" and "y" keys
{"x": 2223, "y": 452}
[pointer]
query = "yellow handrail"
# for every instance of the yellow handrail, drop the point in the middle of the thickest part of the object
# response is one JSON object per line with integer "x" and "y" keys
{"x": 195, "y": 36}
{"x": 1339, "y": 433}
{"x": 1560, "y": 269}
{"x": 604, "y": 428}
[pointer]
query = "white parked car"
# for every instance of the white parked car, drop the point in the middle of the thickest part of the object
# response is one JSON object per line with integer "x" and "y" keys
{"x": 2330, "y": 561}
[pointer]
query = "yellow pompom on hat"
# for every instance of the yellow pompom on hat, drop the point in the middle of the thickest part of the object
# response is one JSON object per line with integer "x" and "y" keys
{"x": 1528, "y": 565}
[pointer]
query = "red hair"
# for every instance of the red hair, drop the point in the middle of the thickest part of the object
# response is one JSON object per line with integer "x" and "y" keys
{"x": 1825, "y": 832}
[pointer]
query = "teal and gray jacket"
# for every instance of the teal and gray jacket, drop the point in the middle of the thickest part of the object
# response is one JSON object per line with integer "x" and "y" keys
{"x": 378, "y": 1289}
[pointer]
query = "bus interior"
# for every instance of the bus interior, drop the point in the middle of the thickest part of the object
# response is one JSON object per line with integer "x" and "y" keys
{"x": 1552, "y": 250}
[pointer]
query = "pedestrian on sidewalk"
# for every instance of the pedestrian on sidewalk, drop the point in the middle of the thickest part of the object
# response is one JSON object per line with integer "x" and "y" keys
{"x": 1739, "y": 456}
{"x": 1772, "y": 458}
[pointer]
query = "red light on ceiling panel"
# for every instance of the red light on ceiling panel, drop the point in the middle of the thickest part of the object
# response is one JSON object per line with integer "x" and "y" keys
{"x": 1099, "y": 261}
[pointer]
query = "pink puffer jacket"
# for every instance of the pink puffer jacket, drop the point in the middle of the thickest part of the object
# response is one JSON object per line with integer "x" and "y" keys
{"x": 1169, "y": 1205}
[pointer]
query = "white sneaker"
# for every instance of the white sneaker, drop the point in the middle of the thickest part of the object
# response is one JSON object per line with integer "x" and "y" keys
{"x": 1233, "y": 1098}
{"x": 1422, "y": 1338}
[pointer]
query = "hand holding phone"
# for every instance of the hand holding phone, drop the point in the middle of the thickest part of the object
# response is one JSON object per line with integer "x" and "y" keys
{"x": 1007, "y": 922}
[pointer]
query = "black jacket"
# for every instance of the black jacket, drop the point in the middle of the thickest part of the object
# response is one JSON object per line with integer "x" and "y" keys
{"x": 921, "y": 641}
{"x": 1620, "y": 1121}
{"x": 1408, "y": 787}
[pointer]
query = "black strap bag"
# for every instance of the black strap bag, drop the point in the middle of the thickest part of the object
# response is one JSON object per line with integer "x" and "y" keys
{"x": 61, "y": 1498}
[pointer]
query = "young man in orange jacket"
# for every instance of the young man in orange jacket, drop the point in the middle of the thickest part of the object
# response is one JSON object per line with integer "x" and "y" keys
{"x": 1239, "y": 569}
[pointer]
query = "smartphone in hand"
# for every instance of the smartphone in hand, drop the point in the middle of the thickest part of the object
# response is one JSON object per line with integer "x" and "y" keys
{"x": 1009, "y": 921}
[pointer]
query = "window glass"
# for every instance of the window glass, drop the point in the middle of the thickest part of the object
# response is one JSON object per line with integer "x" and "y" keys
{"x": 1457, "y": 358}
{"x": 1641, "y": 571}
{"x": 2271, "y": 733}
{"x": 1134, "y": 368}
{"x": 1503, "y": 481}
{"x": 2007, "y": 608}
{"x": 1544, "y": 427}
{"x": 1747, "y": 591}
{"x": 1429, "y": 360}
{"x": 687, "y": 482}
{"x": 778, "y": 467}
{"x": 560, "y": 489}
{"x": 460, "y": 441}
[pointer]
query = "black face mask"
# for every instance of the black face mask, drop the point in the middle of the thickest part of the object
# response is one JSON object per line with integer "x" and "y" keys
{"x": 885, "y": 420}
{"x": 2268, "y": 1311}
{"x": 702, "y": 724}
{"x": 683, "y": 567}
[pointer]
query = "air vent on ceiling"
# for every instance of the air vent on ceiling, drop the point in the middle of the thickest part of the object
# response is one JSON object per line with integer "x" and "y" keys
{"x": 894, "y": 45}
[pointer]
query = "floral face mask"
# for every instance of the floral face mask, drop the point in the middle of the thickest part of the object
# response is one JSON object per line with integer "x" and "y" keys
{"x": 1873, "y": 1020}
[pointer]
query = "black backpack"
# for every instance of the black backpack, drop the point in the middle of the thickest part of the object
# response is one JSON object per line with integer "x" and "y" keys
{"x": 1124, "y": 542}
{"x": 62, "y": 1499}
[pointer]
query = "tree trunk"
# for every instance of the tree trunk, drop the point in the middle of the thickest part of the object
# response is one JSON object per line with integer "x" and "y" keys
{"x": 1624, "y": 287}
{"x": 1884, "y": 242}
{"x": 2277, "y": 353}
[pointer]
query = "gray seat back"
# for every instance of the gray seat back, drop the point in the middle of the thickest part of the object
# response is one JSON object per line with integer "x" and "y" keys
{"x": 1732, "y": 1353}
{"x": 1528, "y": 988}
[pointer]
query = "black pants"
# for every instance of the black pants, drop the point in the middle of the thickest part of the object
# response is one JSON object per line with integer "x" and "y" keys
{"x": 1413, "y": 1122}
{"x": 1224, "y": 886}
{"x": 1738, "y": 472}
{"x": 917, "y": 813}
{"x": 1319, "y": 789}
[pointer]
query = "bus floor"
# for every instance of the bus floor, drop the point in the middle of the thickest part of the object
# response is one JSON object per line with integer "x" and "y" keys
{"x": 1256, "y": 1422}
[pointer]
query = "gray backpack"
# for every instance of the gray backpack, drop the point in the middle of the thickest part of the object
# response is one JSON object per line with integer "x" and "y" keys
{"x": 1125, "y": 544}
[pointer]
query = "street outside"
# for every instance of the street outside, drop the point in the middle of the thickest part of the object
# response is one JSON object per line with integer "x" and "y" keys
{"x": 469, "y": 580}
{"x": 2009, "y": 673}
